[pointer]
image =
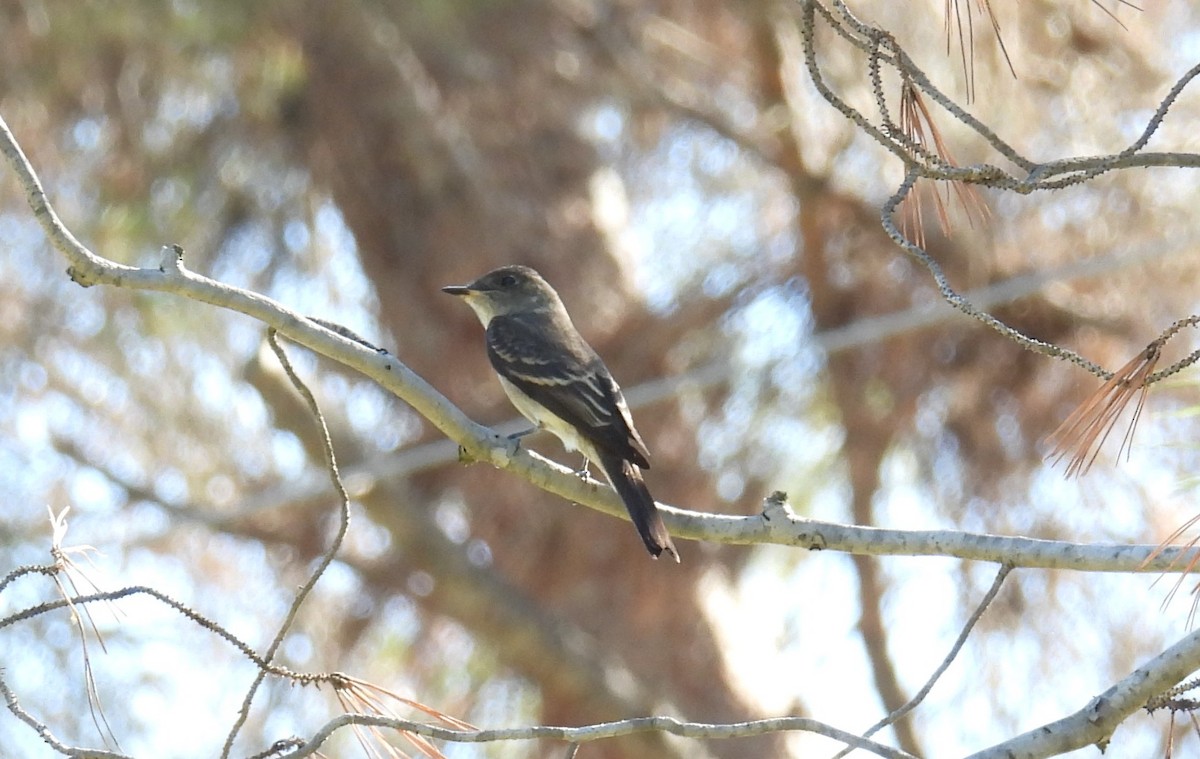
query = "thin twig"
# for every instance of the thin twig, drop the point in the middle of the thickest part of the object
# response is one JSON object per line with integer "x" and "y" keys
{"x": 603, "y": 731}
{"x": 882, "y": 48}
{"x": 958, "y": 301}
{"x": 326, "y": 559}
{"x": 136, "y": 590}
{"x": 959, "y": 642}
{"x": 44, "y": 732}
{"x": 47, "y": 570}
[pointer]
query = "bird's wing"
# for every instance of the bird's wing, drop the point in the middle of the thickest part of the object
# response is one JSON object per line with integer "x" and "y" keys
{"x": 557, "y": 369}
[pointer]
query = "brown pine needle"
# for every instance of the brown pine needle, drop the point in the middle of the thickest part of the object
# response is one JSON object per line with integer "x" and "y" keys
{"x": 360, "y": 696}
{"x": 1145, "y": 374}
{"x": 1083, "y": 433}
{"x": 1112, "y": 15}
{"x": 917, "y": 123}
{"x": 987, "y": 5}
{"x": 966, "y": 38}
{"x": 1189, "y": 549}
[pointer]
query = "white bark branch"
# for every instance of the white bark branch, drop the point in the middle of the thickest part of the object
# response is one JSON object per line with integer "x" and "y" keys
{"x": 588, "y": 733}
{"x": 1095, "y": 723}
{"x": 478, "y": 443}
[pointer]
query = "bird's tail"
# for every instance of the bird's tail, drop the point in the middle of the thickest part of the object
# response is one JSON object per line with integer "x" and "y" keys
{"x": 627, "y": 480}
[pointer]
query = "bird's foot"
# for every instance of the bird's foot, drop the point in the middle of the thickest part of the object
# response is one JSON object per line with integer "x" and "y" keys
{"x": 583, "y": 472}
{"x": 513, "y": 441}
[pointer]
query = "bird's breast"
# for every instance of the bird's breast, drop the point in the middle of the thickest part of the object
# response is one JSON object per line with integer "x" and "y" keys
{"x": 543, "y": 417}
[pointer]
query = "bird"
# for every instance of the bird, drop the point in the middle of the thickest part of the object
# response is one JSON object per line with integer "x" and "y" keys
{"x": 558, "y": 382}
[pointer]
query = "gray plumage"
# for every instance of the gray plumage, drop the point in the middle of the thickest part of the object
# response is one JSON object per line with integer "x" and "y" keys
{"x": 557, "y": 381}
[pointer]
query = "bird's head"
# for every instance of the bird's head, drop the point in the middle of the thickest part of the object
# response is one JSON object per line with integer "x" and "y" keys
{"x": 507, "y": 290}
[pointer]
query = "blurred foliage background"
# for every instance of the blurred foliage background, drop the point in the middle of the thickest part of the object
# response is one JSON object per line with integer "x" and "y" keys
{"x": 712, "y": 224}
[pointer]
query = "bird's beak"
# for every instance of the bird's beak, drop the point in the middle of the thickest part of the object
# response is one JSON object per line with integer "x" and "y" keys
{"x": 457, "y": 289}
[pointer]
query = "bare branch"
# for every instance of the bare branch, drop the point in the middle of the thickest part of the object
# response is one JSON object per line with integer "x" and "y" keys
{"x": 921, "y": 163}
{"x": 481, "y": 444}
{"x": 777, "y": 524}
{"x": 478, "y": 443}
{"x": 43, "y": 730}
{"x": 47, "y": 570}
{"x": 326, "y": 559}
{"x": 603, "y": 731}
{"x": 1094, "y": 724}
{"x": 916, "y": 700}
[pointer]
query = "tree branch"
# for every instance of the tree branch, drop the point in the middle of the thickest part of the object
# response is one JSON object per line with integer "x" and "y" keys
{"x": 43, "y": 730}
{"x": 568, "y": 734}
{"x": 588, "y": 733}
{"x": 1095, "y": 723}
{"x": 480, "y": 444}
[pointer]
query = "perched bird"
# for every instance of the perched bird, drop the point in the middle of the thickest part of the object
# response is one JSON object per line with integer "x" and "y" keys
{"x": 557, "y": 381}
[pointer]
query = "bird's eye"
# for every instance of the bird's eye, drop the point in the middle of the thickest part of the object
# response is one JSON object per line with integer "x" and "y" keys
{"x": 508, "y": 280}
